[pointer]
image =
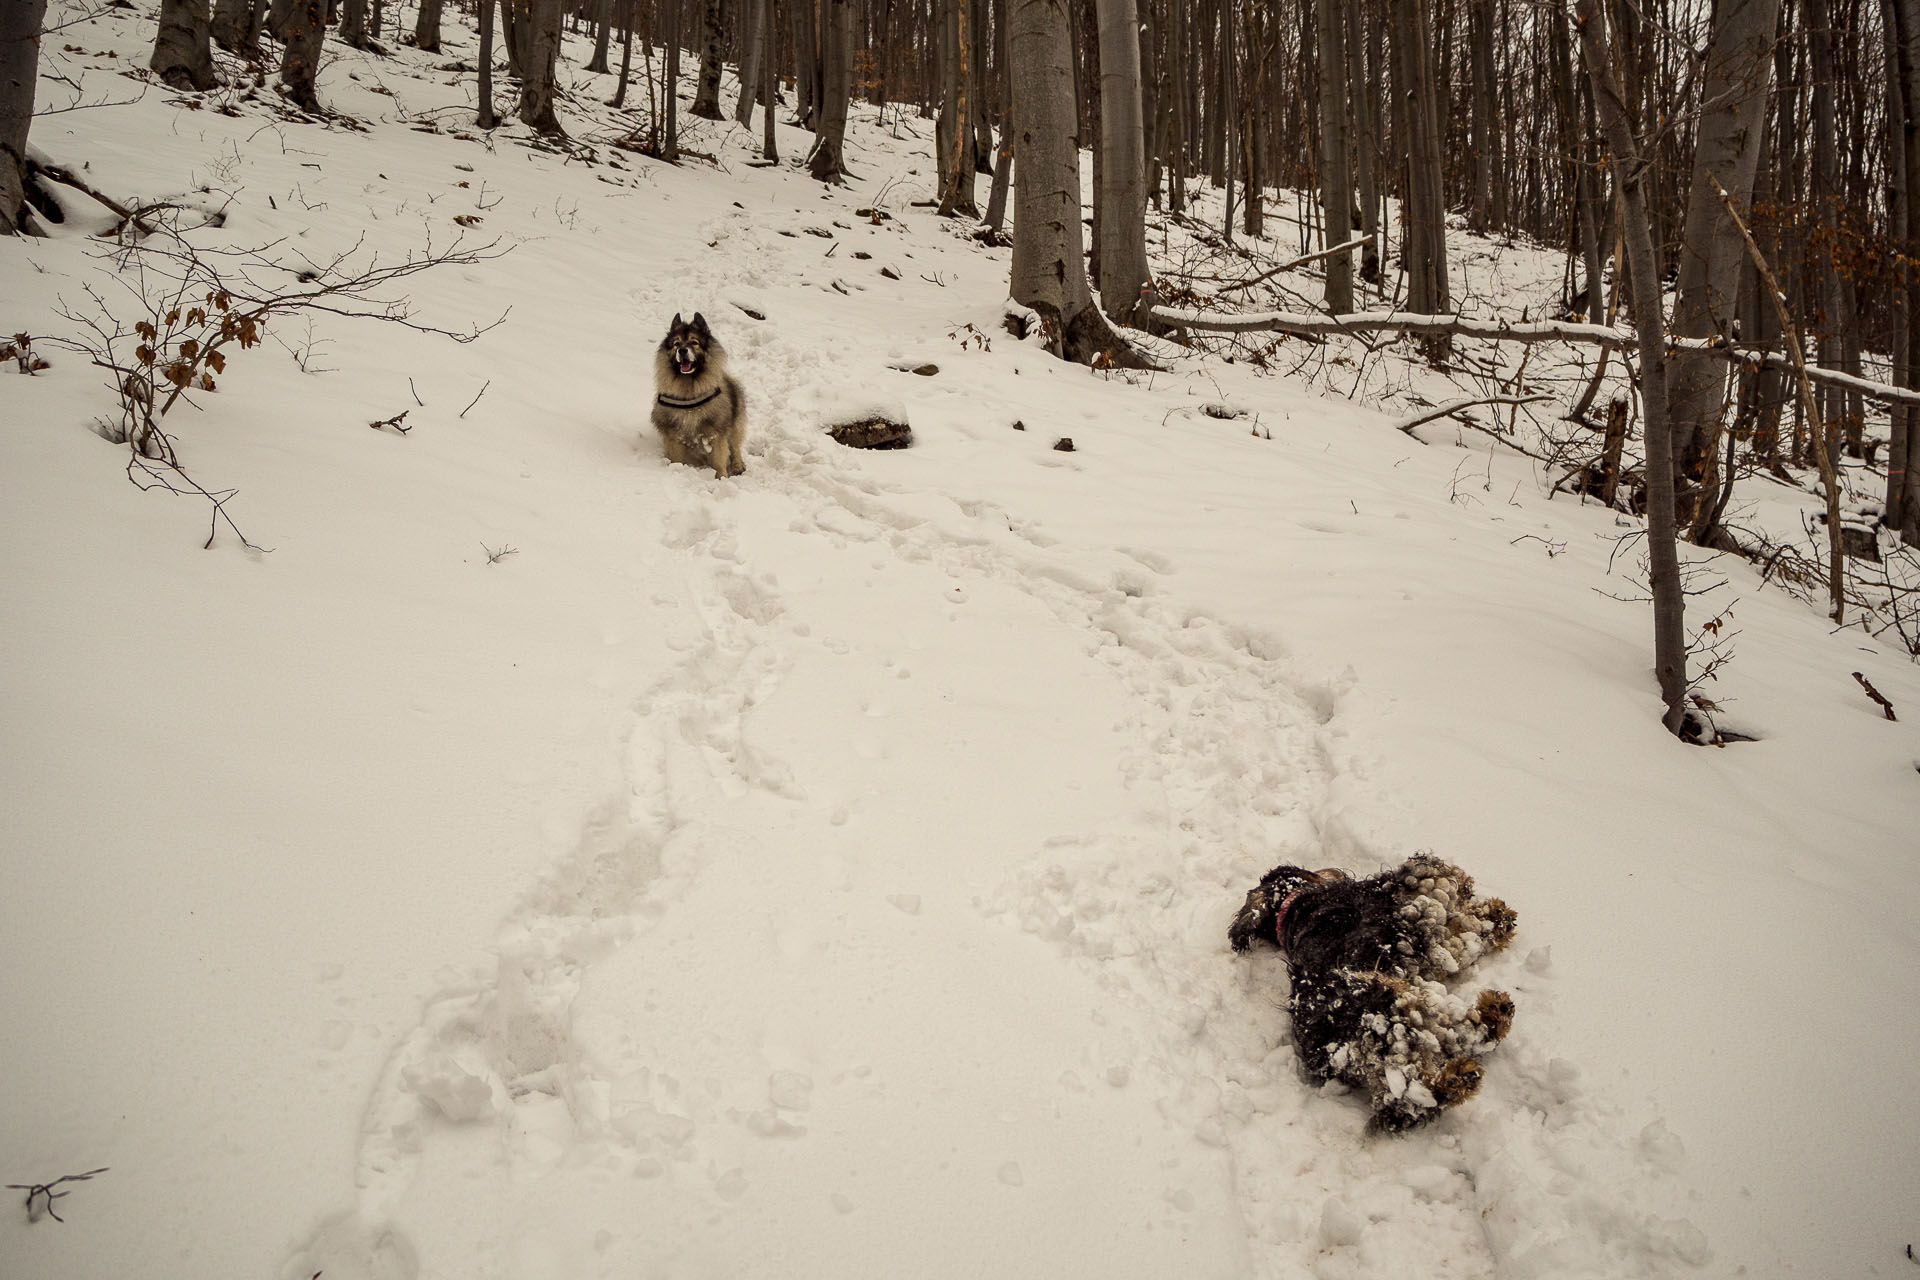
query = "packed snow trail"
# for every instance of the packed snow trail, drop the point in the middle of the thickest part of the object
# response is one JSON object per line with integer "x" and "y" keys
{"x": 901, "y": 949}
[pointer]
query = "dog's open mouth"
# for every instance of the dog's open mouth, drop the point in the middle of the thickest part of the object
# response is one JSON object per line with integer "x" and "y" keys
{"x": 686, "y": 367}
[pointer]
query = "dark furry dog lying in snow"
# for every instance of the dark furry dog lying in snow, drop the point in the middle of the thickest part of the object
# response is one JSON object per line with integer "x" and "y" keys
{"x": 1369, "y": 960}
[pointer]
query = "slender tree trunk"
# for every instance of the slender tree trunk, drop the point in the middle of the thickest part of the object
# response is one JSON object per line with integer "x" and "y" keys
{"x": 1336, "y": 170}
{"x": 1484, "y": 157}
{"x": 1739, "y": 67}
{"x": 1123, "y": 178}
{"x": 1423, "y": 209}
{"x": 626, "y": 51}
{"x": 955, "y": 143}
{"x": 769, "y": 84}
{"x": 670, "y": 87}
{"x": 828, "y": 161}
{"x": 513, "y": 37}
{"x": 1003, "y": 159}
{"x": 486, "y": 118}
{"x": 1669, "y": 602}
{"x": 1363, "y": 81}
{"x": 1179, "y": 95}
{"x": 751, "y": 28}
{"x": 20, "y": 22}
{"x": 1903, "y": 461}
{"x": 602, "y": 35}
{"x": 183, "y": 49}
{"x": 806, "y": 63}
{"x": 706, "y": 99}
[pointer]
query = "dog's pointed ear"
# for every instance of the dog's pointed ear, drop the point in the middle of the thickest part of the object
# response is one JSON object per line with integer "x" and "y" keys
{"x": 699, "y": 323}
{"x": 677, "y": 322}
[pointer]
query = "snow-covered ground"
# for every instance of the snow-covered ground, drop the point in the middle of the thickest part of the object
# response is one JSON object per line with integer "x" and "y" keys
{"x": 545, "y": 861}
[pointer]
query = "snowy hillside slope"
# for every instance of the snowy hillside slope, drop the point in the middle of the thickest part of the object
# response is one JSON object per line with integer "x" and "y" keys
{"x": 546, "y": 861}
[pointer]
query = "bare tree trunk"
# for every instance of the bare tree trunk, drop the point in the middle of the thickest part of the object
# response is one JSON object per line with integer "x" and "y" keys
{"x": 806, "y": 63}
{"x": 1003, "y": 159}
{"x": 1739, "y": 67}
{"x": 769, "y": 82}
{"x": 1177, "y": 116}
{"x": 1903, "y": 460}
{"x": 706, "y": 99}
{"x": 1484, "y": 161}
{"x": 426, "y": 26}
{"x": 1423, "y": 208}
{"x": 302, "y": 25}
{"x": 670, "y": 88}
{"x": 1049, "y": 260}
{"x": 1669, "y": 601}
{"x": 1363, "y": 82}
{"x": 236, "y": 27}
{"x": 828, "y": 161}
{"x": 602, "y": 35}
{"x": 1123, "y": 190}
{"x": 541, "y": 21}
{"x": 183, "y": 50}
{"x": 353, "y": 23}
{"x": 1336, "y": 170}
{"x": 486, "y": 118}
{"x": 954, "y": 146}
{"x": 626, "y": 52}
{"x": 751, "y": 29}
{"x": 20, "y": 22}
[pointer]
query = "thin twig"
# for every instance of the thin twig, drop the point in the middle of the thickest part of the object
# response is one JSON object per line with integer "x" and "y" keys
{"x": 476, "y": 399}
{"x": 36, "y": 1190}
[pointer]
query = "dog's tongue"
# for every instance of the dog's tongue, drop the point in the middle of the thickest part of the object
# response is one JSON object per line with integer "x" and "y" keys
{"x": 686, "y": 366}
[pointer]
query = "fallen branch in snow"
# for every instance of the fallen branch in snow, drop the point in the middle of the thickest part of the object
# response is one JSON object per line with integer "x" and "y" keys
{"x": 1359, "y": 322}
{"x": 38, "y": 1190}
{"x": 1271, "y": 272}
{"x": 1876, "y": 695}
{"x": 1448, "y": 410}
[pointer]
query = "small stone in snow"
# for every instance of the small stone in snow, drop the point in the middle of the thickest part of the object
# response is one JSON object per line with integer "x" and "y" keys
{"x": 1063, "y": 445}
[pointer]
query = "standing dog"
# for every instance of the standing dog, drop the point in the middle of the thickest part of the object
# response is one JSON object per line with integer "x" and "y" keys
{"x": 698, "y": 407}
{"x": 1368, "y": 961}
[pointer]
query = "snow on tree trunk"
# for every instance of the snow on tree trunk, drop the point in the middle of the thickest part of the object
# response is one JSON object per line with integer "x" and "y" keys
{"x": 706, "y": 98}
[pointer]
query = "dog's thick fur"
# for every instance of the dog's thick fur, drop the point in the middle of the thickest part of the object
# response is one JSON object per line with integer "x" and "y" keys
{"x": 698, "y": 407}
{"x": 1369, "y": 961}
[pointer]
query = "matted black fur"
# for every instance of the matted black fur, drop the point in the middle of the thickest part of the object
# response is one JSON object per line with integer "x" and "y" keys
{"x": 1368, "y": 962}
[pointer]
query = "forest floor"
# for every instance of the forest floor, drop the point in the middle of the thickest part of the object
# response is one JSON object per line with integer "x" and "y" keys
{"x": 533, "y": 859}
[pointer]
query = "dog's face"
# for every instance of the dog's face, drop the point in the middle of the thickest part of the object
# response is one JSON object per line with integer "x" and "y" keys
{"x": 687, "y": 345}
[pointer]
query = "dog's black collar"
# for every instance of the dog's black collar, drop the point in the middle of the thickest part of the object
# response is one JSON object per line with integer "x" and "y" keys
{"x": 675, "y": 402}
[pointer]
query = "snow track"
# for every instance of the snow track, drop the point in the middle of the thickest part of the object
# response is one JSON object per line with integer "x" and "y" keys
{"x": 802, "y": 967}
